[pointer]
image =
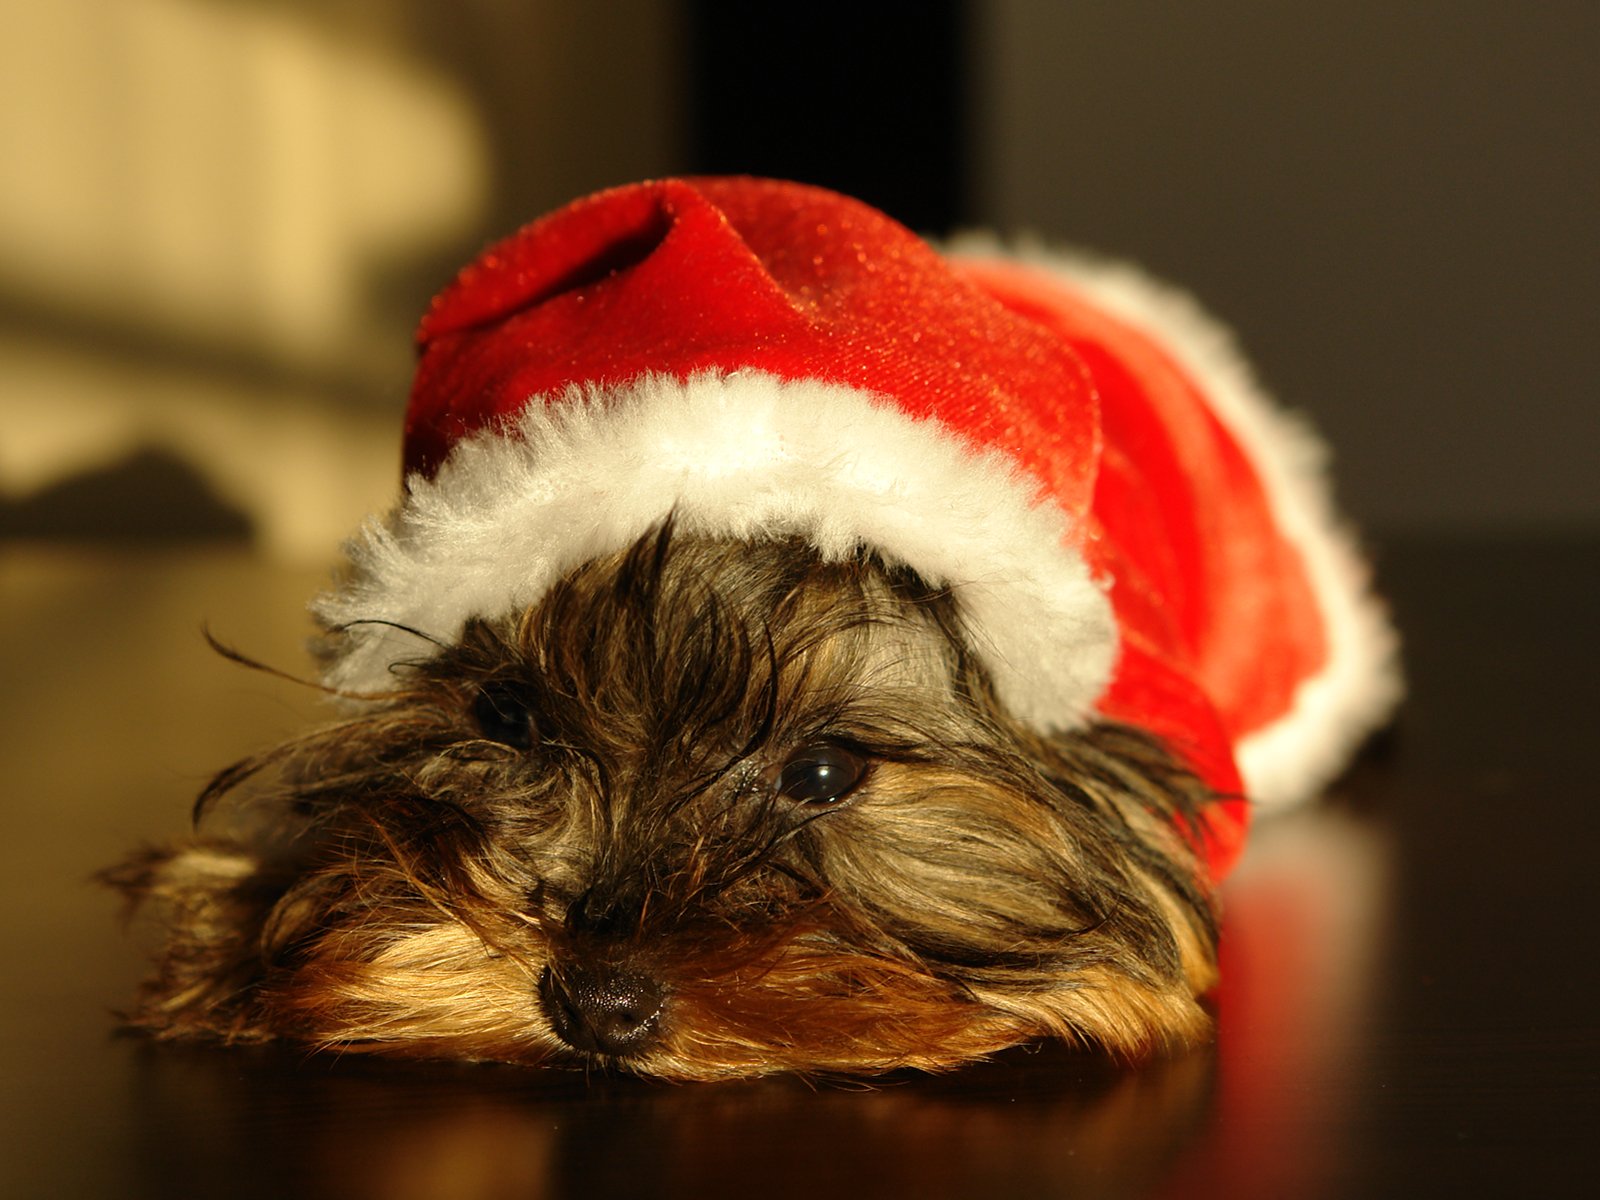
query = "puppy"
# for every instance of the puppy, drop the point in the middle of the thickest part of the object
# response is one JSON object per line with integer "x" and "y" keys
{"x": 796, "y": 650}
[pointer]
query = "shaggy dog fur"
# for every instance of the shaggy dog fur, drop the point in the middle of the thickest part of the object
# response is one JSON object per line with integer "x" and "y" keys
{"x": 707, "y": 809}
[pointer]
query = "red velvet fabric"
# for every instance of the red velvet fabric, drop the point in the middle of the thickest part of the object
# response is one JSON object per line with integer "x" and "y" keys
{"x": 1218, "y": 622}
{"x": 679, "y": 276}
{"x": 1216, "y": 618}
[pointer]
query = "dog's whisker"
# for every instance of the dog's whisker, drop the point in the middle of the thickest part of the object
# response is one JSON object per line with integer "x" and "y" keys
{"x": 346, "y": 626}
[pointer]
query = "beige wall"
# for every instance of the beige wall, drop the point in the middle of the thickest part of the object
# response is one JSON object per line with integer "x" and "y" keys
{"x": 220, "y": 219}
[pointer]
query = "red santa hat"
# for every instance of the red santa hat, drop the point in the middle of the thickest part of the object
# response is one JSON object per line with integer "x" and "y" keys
{"x": 764, "y": 359}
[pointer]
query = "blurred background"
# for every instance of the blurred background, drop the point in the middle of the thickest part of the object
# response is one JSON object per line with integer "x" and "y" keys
{"x": 220, "y": 219}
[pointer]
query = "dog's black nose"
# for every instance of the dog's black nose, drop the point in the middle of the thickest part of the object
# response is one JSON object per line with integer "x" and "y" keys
{"x": 601, "y": 1008}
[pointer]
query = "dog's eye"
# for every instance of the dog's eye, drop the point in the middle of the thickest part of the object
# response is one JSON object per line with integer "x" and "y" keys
{"x": 821, "y": 774}
{"x": 501, "y": 711}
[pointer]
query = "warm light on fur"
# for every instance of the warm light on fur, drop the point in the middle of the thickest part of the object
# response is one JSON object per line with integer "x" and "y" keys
{"x": 574, "y": 836}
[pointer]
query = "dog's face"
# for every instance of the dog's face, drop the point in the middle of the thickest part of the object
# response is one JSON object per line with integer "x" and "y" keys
{"x": 706, "y": 809}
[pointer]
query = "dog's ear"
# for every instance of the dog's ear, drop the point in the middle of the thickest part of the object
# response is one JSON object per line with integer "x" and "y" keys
{"x": 1131, "y": 1012}
{"x": 1143, "y": 989}
{"x": 211, "y": 899}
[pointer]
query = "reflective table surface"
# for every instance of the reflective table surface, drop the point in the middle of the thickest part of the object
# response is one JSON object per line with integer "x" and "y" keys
{"x": 1409, "y": 1004}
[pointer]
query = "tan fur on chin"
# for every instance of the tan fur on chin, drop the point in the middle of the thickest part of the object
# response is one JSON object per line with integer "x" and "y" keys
{"x": 574, "y": 836}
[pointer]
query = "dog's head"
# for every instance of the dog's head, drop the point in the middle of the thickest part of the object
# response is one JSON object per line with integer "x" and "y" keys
{"x": 706, "y": 809}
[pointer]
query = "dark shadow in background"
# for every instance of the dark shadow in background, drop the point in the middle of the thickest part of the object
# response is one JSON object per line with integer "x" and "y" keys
{"x": 149, "y": 496}
{"x": 865, "y": 99}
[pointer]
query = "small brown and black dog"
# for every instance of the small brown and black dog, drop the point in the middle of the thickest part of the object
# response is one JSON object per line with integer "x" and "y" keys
{"x": 707, "y": 809}
{"x": 795, "y": 649}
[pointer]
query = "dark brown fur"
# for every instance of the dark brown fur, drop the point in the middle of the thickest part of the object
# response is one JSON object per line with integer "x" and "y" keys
{"x": 575, "y": 812}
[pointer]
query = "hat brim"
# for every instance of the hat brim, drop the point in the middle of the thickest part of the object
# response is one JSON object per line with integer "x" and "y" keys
{"x": 743, "y": 455}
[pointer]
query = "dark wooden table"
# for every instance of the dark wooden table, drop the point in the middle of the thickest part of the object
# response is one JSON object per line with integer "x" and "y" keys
{"x": 1410, "y": 1005}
